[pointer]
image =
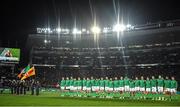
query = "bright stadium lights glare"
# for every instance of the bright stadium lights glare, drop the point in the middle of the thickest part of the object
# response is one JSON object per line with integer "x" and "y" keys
{"x": 96, "y": 30}
{"x": 83, "y": 30}
{"x": 76, "y": 31}
{"x": 58, "y": 30}
{"x": 105, "y": 30}
{"x": 128, "y": 25}
{"x": 45, "y": 41}
{"x": 119, "y": 28}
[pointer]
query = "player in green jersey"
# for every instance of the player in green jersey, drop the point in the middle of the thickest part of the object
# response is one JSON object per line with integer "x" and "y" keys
{"x": 93, "y": 84}
{"x": 84, "y": 84}
{"x": 132, "y": 86}
{"x": 126, "y": 84}
{"x": 167, "y": 85}
{"x": 71, "y": 82}
{"x": 137, "y": 83}
{"x": 79, "y": 84}
{"x": 116, "y": 84}
{"x": 96, "y": 85}
{"x": 153, "y": 84}
{"x": 174, "y": 86}
{"x": 67, "y": 83}
{"x": 106, "y": 84}
{"x": 110, "y": 85}
{"x": 148, "y": 85}
{"x": 142, "y": 84}
{"x": 88, "y": 85}
{"x": 160, "y": 84}
{"x": 101, "y": 84}
{"x": 62, "y": 84}
{"x": 121, "y": 85}
{"x": 75, "y": 84}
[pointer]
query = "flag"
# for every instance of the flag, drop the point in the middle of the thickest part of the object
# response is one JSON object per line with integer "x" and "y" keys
{"x": 29, "y": 73}
{"x": 23, "y": 71}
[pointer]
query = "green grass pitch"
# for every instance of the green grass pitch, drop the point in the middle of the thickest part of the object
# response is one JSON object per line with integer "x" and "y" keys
{"x": 54, "y": 99}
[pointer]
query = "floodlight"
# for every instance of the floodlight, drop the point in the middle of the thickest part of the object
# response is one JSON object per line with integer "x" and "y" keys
{"x": 75, "y": 31}
{"x": 45, "y": 41}
{"x": 119, "y": 28}
{"x": 95, "y": 29}
{"x": 83, "y": 30}
{"x": 58, "y": 30}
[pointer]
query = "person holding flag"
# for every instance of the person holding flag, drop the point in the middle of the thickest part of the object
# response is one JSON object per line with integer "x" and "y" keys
{"x": 23, "y": 71}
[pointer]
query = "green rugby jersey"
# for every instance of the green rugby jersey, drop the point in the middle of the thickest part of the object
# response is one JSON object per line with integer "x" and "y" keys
{"x": 110, "y": 85}
{"x": 121, "y": 83}
{"x": 88, "y": 83}
{"x": 167, "y": 83}
{"x": 67, "y": 83}
{"x": 71, "y": 82}
{"x": 92, "y": 82}
{"x": 106, "y": 82}
{"x": 63, "y": 83}
{"x": 173, "y": 84}
{"x": 96, "y": 83}
{"x": 142, "y": 83}
{"x": 84, "y": 82}
{"x": 137, "y": 83}
{"x": 160, "y": 82}
{"x": 153, "y": 82}
{"x": 132, "y": 84}
{"x": 148, "y": 84}
{"x": 79, "y": 82}
{"x": 101, "y": 83}
{"x": 126, "y": 81}
{"x": 116, "y": 83}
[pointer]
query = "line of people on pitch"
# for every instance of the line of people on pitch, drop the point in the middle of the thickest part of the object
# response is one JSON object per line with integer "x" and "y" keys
{"x": 19, "y": 87}
{"x": 153, "y": 85}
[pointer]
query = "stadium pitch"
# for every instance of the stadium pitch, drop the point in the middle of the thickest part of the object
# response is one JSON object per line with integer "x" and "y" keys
{"x": 54, "y": 99}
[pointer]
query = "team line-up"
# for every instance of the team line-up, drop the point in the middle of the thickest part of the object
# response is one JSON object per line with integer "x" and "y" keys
{"x": 151, "y": 85}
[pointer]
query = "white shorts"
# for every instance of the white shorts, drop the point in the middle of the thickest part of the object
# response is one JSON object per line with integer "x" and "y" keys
{"x": 93, "y": 88}
{"x": 68, "y": 87}
{"x": 110, "y": 89}
{"x": 142, "y": 89}
{"x": 74, "y": 88}
{"x": 79, "y": 87}
{"x": 62, "y": 88}
{"x": 101, "y": 88}
{"x": 136, "y": 88}
{"x": 148, "y": 89}
{"x": 131, "y": 89}
{"x": 88, "y": 88}
{"x": 84, "y": 88}
{"x": 126, "y": 88}
{"x": 106, "y": 88}
{"x": 154, "y": 89}
{"x": 121, "y": 88}
{"x": 71, "y": 87}
{"x": 160, "y": 89}
{"x": 173, "y": 90}
{"x": 116, "y": 89}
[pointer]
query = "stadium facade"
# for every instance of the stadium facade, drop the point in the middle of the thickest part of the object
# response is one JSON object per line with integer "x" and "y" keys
{"x": 143, "y": 52}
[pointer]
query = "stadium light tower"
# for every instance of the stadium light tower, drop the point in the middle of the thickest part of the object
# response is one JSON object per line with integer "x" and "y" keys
{"x": 119, "y": 28}
{"x": 95, "y": 30}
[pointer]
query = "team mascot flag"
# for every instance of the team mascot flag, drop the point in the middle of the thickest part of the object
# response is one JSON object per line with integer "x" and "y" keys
{"x": 29, "y": 73}
{"x": 23, "y": 71}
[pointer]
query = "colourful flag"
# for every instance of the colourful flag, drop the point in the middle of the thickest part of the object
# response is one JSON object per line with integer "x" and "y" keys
{"x": 29, "y": 73}
{"x": 23, "y": 71}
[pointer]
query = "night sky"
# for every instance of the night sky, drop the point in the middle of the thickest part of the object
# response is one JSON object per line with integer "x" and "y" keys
{"x": 21, "y": 17}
